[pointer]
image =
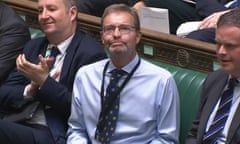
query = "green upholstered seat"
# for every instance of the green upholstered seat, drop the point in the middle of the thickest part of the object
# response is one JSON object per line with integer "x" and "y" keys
{"x": 189, "y": 84}
{"x": 35, "y": 33}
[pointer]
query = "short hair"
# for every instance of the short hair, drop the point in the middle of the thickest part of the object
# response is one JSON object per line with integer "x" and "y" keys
{"x": 122, "y": 8}
{"x": 70, "y": 3}
{"x": 231, "y": 18}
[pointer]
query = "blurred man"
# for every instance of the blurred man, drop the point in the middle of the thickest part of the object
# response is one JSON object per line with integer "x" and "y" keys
{"x": 35, "y": 100}
{"x": 14, "y": 34}
{"x": 217, "y": 120}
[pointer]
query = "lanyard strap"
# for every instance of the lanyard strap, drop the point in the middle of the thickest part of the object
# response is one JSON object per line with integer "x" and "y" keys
{"x": 122, "y": 86}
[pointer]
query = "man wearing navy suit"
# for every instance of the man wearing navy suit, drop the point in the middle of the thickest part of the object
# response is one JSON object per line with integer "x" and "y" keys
{"x": 208, "y": 116}
{"x": 35, "y": 99}
{"x": 210, "y": 11}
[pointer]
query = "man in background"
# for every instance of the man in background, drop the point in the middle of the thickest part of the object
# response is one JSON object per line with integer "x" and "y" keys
{"x": 14, "y": 34}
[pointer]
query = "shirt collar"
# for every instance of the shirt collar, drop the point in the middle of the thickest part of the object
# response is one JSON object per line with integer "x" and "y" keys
{"x": 62, "y": 47}
{"x": 128, "y": 68}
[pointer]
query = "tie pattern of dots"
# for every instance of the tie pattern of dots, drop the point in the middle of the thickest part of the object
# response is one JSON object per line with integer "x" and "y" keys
{"x": 215, "y": 130}
{"x": 107, "y": 121}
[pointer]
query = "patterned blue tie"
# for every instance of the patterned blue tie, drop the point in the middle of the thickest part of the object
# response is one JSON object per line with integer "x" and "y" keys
{"x": 215, "y": 130}
{"x": 108, "y": 118}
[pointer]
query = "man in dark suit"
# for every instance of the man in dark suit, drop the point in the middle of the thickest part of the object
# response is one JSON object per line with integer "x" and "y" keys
{"x": 210, "y": 11}
{"x": 206, "y": 128}
{"x": 179, "y": 11}
{"x": 36, "y": 98}
{"x": 14, "y": 34}
{"x": 96, "y": 7}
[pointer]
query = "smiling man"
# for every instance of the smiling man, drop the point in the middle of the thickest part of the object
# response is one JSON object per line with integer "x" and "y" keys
{"x": 110, "y": 101}
{"x": 217, "y": 120}
{"x": 35, "y": 100}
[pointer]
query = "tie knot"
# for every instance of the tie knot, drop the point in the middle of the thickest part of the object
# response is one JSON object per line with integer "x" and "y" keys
{"x": 54, "y": 51}
{"x": 118, "y": 73}
{"x": 232, "y": 82}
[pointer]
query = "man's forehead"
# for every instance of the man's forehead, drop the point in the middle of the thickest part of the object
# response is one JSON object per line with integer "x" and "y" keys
{"x": 118, "y": 17}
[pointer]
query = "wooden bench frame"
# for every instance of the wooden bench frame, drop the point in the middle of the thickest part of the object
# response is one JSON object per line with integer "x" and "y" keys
{"x": 157, "y": 46}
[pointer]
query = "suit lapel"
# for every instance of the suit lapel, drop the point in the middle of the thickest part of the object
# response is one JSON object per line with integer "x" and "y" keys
{"x": 214, "y": 92}
{"x": 70, "y": 53}
{"x": 235, "y": 126}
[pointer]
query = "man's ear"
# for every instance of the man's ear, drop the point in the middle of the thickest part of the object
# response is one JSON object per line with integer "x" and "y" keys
{"x": 138, "y": 37}
{"x": 101, "y": 34}
{"x": 74, "y": 12}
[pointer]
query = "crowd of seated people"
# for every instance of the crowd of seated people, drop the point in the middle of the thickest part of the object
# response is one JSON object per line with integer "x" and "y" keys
{"x": 180, "y": 12}
{"x": 34, "y": 78}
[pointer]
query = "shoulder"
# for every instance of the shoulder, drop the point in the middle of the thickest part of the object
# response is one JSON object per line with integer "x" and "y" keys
{"x": 9, "y": 18}
{"x": 92, "y": 69}
{"x": 85, "y": 35}
{"x": 86, "y": 39}
{"x": 154, "y": 70}
{"x": 216, "y": 76}
{"x": 214, "y": 79}
{"x": 35, "y": 44}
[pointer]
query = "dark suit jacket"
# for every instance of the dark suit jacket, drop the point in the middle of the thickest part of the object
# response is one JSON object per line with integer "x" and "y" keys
{"x": 212, "y": 89}
{"x": 82, "y": 50}
{"x": 96, "y": 7}
{"x": 207, "y": 7}
{"x": 14, "y": 34}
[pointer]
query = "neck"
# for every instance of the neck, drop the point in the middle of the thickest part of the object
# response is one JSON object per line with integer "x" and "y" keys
{"x": 119, "y": 61}
{"x": 57, "y": 38}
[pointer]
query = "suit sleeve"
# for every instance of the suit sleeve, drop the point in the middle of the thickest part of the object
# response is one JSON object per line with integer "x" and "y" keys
{"x": 58, "y": 94}
{"x": 207, "y": 7}
{"x": 14, "y": 34}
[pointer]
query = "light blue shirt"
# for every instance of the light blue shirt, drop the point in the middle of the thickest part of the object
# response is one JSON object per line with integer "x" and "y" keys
{"x": 149, "y": 105}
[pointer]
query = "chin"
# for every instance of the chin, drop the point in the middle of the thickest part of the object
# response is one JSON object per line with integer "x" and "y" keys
{"x": 226, "y": 69}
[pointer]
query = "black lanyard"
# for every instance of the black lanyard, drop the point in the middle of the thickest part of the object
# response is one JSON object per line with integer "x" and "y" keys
{"x": 123, "y": 84}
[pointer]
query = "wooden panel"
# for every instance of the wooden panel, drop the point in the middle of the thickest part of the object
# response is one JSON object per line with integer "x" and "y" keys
{"x": 157, "y": 46}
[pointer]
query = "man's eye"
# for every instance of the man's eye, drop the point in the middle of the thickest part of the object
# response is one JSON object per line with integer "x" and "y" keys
{"x": 124, "y": 28}
{"x": 109, "y": 29}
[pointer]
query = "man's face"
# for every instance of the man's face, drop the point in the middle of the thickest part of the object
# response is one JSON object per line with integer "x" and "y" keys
{"x": 54, "y": 17}
{"x": 119, "y": 35}
{"x": 228, "y": 49}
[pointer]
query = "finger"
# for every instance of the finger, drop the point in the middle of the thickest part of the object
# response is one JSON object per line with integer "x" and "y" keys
{"x": 43, "y": 61}
{"x": 18, "y": 60}
{"x": 20, "y": 65}
{"x": 56, "y": 74}
{"x": 50, "y": 61}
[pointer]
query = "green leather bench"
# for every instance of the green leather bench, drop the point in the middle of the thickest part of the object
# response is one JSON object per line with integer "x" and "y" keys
{"x": 189, "y": 84}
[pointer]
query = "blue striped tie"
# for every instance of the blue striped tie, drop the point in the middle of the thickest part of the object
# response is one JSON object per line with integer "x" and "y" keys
{"x": 215, "y": 130}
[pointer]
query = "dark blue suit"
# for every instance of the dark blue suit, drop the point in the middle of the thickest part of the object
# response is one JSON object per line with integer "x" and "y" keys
{"x": 205, "y": 8}
{"x": 82, "y": 50}
{"x": 14, "y": 34}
